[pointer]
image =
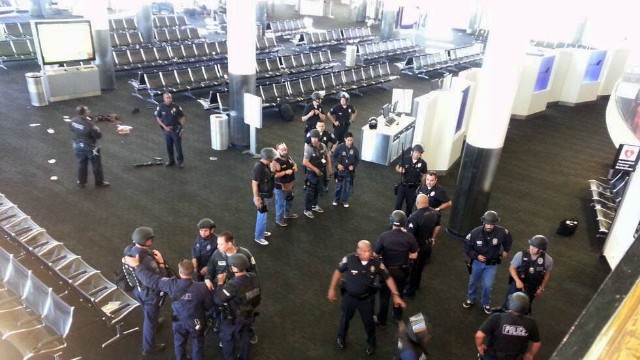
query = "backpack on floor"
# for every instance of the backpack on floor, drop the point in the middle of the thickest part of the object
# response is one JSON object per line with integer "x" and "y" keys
{"x": 286, "y": 112}
{"x": 567, "y": 227}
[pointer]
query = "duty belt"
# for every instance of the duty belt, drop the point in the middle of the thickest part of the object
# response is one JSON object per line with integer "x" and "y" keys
{"x": 493, "y": 262}
{"x": 410, "y": 184}
{"x": 360, "y": 297}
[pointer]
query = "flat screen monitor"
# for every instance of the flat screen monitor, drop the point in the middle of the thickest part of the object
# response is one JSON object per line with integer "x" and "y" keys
{"x": 394, "y": 107}
{"x": 64, "y": 41}
{"x": 386, "y": 110}
{"x": 544, "y": 74}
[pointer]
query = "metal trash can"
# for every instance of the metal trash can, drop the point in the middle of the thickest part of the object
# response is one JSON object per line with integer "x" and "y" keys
{"x": 35, "y": 85}
{"x": 350, "y": 60}
{"x": 219, "y": 131}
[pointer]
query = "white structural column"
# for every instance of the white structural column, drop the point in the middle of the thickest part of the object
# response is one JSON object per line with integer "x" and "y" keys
{"x": 241, "y": 42}
{"x": 96, "y": 12}
{"x": 491, "y": 111}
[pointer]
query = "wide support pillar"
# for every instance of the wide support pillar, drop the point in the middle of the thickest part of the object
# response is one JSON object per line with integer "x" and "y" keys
{"x": 144, "y": 21}
{"x": 261, "y": 16}
{"x": 96, "y": 12}
{"x": 389, "y": 14}
{"x": 489, "y": 120}
{"x": 241, "y": 40}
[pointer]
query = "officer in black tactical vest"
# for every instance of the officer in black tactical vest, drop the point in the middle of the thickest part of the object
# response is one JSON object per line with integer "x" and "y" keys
{"x": 422, "y": 224}
{"x": 148, "y": 298}
{"x": 412, "y": 169}
{"x": 262, "y": 186}
{"x": 85, "y": 137}
{"x": 239, "y": 298}
{"x": 317, "y": 162}
{"x": 204, "y": 246}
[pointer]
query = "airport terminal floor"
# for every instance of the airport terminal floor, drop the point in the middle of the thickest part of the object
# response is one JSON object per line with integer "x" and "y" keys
{"x": 541, "y": 179}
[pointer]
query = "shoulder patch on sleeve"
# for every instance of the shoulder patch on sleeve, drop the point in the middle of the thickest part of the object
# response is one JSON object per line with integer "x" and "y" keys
{"x": 343, "y": 261}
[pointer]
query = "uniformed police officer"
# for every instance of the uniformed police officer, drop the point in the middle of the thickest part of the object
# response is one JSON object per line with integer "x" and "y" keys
{"x": 239, "y": 297}
{"x": 284, "y": 169}
{"x": 203, "y": 247}
{"x": 313, "y": 113}
{"x": 149, "y": 298}
{"x": 317, "y": 162}
{"x": 326, "y": 138}
{"x": 262, "y": 186}
{"x": 85, "y": 137}
{"x": 485, "y": 246}
{"x": 412, "y": 168}
{"x": 346, "y": 158}
{"x": 530, "y": 270}
{"x": 438, "y": 198}
{"x": 361, "y": 270}
{"x": 422, "y": 224}
{"x": 342, "y": 115}
{"x": 171, "y": 119}
{"x": 396, "y": 247}
{"x": 511, "y": 335}
{"x": 191, "y": 301}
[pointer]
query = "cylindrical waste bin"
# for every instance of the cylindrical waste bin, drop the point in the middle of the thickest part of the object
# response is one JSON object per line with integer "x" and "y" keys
{"x": 35, "y": 85}
{"x": 350, "y": 60}
{"x": 219, "y": 131}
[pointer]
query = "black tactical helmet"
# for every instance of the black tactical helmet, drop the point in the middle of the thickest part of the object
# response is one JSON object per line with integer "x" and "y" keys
{"x": 373, "y": 123}
{"x": 268, "y": 154}
{"x": 398, "y": 218}
{"x": 540, "y": 242}
{"x": 316, "y": 96}
{"x": 519, "y": 302}
{"x": 206, "y": 223}
{"x": 344, "y": 95}
{"x": 490, "y": 217}
{"x": 142, "y": 234}
{"x": 315, "y": 133}
{"x": 418, "y": 148}
{"x": 239, "y": 261}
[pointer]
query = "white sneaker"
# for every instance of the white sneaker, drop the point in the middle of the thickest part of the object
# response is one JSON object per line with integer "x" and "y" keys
{"x": 335, "y": 203}
{"x": 262, "y": 241}
{"x": 267, "y": 234}
{"x": 345, "y": 205}
{"x": 317, "y": 209}
{"x": 309, "y": 214}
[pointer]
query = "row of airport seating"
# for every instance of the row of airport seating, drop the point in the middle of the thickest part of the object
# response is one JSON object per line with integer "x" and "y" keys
{"x": 169, "y": 21}
{"x": 168, "y": 55}
{"x": 33, "y": 318}
{"x": 17, "y": 30}
{"x": 289, "y": 65}
{"x": 298, "y": 90}
{"x": 386, "y": 49}
{"x": 435, "y": 65}
{"x": 176, "y": 34}
{"x": 126, "y": 39}
{"x": 111, "y": 303}
{"x": 16, "y": 50}
{"x": 557, "y": 45}
{"x": 286, "y": 28}
{"x": 607, "y": 193}
{"x": 334, "y": 37}
{"x": 122, "y": 24}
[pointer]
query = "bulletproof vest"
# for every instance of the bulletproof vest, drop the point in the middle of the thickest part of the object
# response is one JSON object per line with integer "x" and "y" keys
{"x": 285, "y": 164}
{"x": 130, "y": 272}
{"x": 247, "y": 296}
{"x": 82, "y": 131}
{"x": 316, "y": 160}
{"x": 346, "y": 156}
{"x": 267, "y": 184}
{"x": 511, "y": 339}
{"x": 531, "y": 272}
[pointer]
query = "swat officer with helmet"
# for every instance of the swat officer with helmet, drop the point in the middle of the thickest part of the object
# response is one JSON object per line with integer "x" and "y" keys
{"x": 262, "y": 186}
{"x": 396, "y": 247}
{"x": 317, "y": 161}
{"x": 203, "y": 247}
{"x": 239, "y": 298}
{"x": 191, "y": 302}
{"x": 486, "y": 246}
{"x": 342, "y": 115}
{"x": 530, "y": 270}
{"x": 313, "y": 113}
{"x": 412, "y": 169}
{"x": 148, "y": 297}
{"x": 511, "y": 335}
{"x": 85, "y": 137}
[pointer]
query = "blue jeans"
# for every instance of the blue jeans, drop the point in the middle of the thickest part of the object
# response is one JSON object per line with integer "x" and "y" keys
{"x": 485, "y": 273}
{"x": 261, "y": 221}
{"x": 283, "y": 206}
{"x": 172, "y": 139}
{"x": 343, "y": 190}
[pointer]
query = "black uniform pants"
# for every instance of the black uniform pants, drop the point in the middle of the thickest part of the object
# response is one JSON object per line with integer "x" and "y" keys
{"x": 84, "y": 154}
{"x": 399, "y": 275}
{"x": 415, "y": 276}
{"x": 406, "y": 193}
{"x": 314, "y": 186}
{"x": 364, "y": 306}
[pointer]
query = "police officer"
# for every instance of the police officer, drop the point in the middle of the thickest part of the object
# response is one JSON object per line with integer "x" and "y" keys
{"x": 313, "y": 113}
{"x": 171, "y": 119}
{"x": 191, "y": 301}
{"x": 317, "y": 162}
{"x": 412, "y": 168}
{"x": 342, "y": 115}
{"x": 511, "y": 335}
{"x": 485, "y": 246}
{"x": 396, "y": 247}
{"x": 326, "y": 138}
{"x": 149, "y": 298}
{"x": 422, "y": 224}
{"x": 85, "y": 136}
{"x": 239, "y": 297}
{"x": 530, "y": 270}
{"x": 438, "y": 198}
{"x": 203, "y": 247}
{"x": 262, "y": 185}
{"x": 284, "y": 169}
{"x": 358, "y": 288}
{"x": 346, "y": 157}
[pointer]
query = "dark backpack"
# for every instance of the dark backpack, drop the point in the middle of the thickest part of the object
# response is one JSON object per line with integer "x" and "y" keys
{"x": 567, "y": 227}
{"x": 286, "y": 112}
